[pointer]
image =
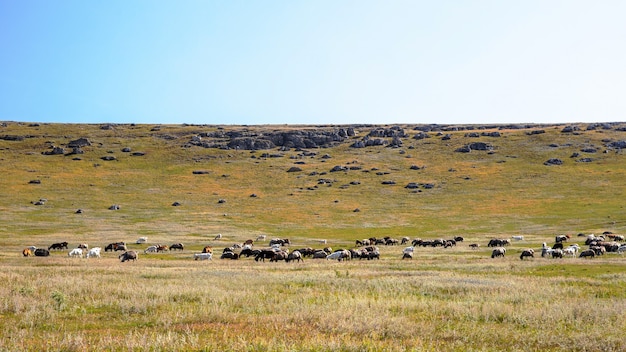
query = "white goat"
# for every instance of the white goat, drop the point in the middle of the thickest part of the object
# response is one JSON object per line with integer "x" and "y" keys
{"x": 203, "y": 256}
{"x": 572, "y": 250}
{"x": 151, "y": 249}
{"x": 76, "y": 252}
{"x": 94, "y": 252}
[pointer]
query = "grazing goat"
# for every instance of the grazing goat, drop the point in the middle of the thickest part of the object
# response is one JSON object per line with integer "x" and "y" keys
{"x": 178, "y": 246}
{"x": 83, "y": 246}
{"x": 41, "y": 252}
{"x": 498, "y": 252}
{"x": 261, "y": 238}
{"x": 203, "y": 256}
{"x": 151, "y": 249}
{"x": 129, "y": 255}
{"x": 229, "y": 255}
{"x": 474, "y": 245}
{"x": 295, "y": 255}
{"x": 60, "y": 245}
{"x": 141, "y": 240}
{"x": 27, "y": 252}
{"x": 76, "y": 252}
{"x": 339, "y": 255}
{"x": 557, "y": 253}
{"x": 571, "y": 250}
{"x": 588, "y": 253}
{"x": 218, "y": 237}
{"x": 407, "y": 255}
{"x": 561, "y": 238}
{"x": 517, "y": 238}
{"x": 94, "y": 252}
{"x": 526, "y": 253}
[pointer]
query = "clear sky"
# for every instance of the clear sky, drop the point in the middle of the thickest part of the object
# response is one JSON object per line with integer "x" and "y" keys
{"x": 312, "y": 62}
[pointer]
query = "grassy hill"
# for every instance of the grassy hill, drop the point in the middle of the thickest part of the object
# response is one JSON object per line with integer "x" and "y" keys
{"x": 507, "y": 191}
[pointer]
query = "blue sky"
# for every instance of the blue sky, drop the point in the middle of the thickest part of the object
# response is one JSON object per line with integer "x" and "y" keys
{"x": 312, "y": 62}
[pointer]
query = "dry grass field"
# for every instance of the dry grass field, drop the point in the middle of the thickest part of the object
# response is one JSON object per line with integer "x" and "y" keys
{"x": 445, "y": 299}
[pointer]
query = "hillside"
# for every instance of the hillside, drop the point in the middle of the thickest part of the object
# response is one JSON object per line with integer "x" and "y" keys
{"x": 343, "y": 182}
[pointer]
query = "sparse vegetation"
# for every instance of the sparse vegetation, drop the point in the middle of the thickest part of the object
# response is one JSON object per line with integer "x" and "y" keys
{"x": 443, "y": 299}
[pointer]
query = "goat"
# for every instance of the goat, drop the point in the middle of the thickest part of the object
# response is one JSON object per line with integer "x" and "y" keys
{"x": 295, "y": 255}
{"x": 203, "y": 256}
{"x": 76, "y": 252}
{"x": 527, "y": 253}
{"x": 588, "y": 253}
{"x": 128, "y": 255}
{"x": 94, "y": 252}
{"x": 339, "y": 255}
{"x": 498, "y": 252}
{"x": 178, "y": 246}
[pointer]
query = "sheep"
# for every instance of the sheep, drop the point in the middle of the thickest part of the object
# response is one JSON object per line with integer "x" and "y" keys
{"x": 527, "y": 253}
{"x": 203, "y": 256}
{"x": 94, "y": 252}
{"x": 76, "y": 252}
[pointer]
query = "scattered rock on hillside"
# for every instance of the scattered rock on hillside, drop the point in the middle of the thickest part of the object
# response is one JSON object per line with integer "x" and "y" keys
{"x": 294, "y": 169}
{"x": 617, "y": 145}
{"x": 481, "y": 146}
{"x": 55, "y": 151}
{"x": 338, "y": 168}
{"x": 79, "y": 143}
{"x": 34, "y": 182}
{"x": 200, "y": 172}
{"x": 108, "y": 158}
{"x": 553, "y": 161}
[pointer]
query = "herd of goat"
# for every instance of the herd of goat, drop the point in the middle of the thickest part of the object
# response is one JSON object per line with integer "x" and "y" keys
{"x": 278, "y": 249}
